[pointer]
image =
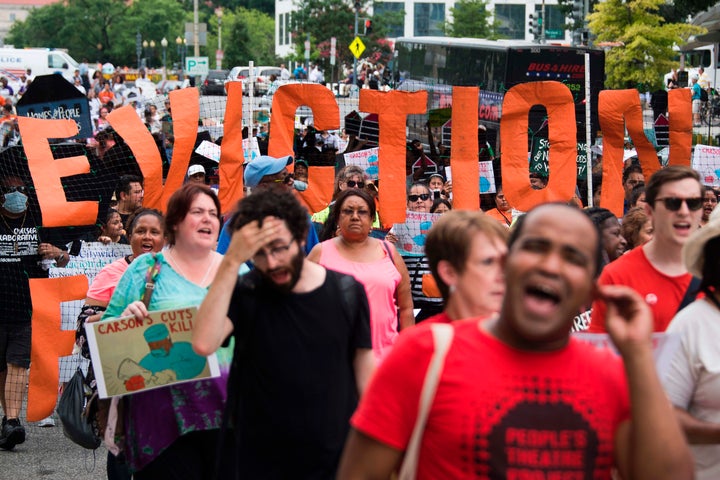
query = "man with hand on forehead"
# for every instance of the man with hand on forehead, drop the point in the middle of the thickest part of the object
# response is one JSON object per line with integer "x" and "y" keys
{"x": 656, "y": 269}
{"x": 517, "y": 397}
{"x": 303, "y": 353}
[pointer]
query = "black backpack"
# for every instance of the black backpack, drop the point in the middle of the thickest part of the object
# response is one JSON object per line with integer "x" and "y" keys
{"x": 703, "y": 95}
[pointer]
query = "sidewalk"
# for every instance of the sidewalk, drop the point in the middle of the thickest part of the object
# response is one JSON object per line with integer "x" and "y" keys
{"x": 48, "y": 455}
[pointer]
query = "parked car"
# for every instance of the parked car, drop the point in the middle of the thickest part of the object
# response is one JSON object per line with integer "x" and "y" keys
{"x": 214, "y": 83}
{"x": 239, "y": 74}
{"x": 262, "y": 79}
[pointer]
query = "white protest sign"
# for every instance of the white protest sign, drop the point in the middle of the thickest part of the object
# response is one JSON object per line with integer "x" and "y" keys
{"x": 706, "y": 161}
{"x": 365, "y": 159}
{"x": 411, "y": 234}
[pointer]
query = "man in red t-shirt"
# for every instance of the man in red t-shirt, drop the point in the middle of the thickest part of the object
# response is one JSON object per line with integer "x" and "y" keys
{"x": 656, "y": 270}
{"x": 517, "y": 397}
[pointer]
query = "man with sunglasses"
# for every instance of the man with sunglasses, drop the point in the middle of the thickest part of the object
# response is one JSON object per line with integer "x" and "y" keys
{"x": 656, "y": 269}
{"x": 302, "y": 350}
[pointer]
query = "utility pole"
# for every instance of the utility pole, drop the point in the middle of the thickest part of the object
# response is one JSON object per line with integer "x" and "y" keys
{"x": 355, "y": 72}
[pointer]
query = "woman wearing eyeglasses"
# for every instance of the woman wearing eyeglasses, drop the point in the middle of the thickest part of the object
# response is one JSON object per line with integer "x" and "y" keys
{"x": 374, "y": 263}
{"x": 172, "y": 432}
{"x": 350, "y": 176}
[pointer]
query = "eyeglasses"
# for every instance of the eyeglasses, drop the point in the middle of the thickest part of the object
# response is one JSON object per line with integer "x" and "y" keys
{"x": 673, "y": 203}
{"x": 354, "y": 184}
{"x": 371, "y": 186}
{"x": 279, "y": 252}
{"x": 423, "y": 196}
{"x": 20, "y": 188}
{"x": 349, "y": 212}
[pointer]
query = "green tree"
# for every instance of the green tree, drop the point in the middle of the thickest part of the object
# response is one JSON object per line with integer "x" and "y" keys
{"x": 646, "y": 54}
{"x": 470, "y": 18}
{"x": 251, "y": 36}
{"x": 324, "y": 19}
{"x": 99, "y": 30}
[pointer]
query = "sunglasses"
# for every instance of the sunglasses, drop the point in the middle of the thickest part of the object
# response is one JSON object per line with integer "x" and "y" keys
{"x": 21, "y": 189}
{"x": 354, "y": 184}
{"x": 673, "y": 203}
{"x": 422, "y": 196}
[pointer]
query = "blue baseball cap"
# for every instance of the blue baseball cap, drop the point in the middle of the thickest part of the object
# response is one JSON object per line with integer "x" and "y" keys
{"x": 262, "y": 166}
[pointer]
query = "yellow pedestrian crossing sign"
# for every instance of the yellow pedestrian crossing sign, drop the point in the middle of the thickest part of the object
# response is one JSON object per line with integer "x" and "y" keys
{"x": 357, "y": 47}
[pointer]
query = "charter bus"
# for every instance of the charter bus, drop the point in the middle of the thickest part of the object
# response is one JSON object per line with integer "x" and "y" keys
{"x": 436, "y": 64}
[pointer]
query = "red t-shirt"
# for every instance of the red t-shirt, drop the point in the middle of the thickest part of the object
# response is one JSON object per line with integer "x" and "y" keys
{"x": 441, "y": 317}
{"x": 500, "y": 412}
{"x": 661, "y": 292}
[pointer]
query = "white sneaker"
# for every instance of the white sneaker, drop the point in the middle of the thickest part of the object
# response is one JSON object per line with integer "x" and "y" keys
{"x": 47, "y": 422}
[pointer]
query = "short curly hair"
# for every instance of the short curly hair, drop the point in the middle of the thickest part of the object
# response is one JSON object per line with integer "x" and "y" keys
{"x": 273, "y": 202}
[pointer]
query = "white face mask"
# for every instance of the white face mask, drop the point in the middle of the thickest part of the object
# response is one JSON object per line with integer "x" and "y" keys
{"x": 15, "y": 202}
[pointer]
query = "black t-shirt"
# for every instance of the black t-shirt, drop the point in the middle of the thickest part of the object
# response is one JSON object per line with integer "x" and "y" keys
{"x": 19, "y": 261}
{"x": 293, "y": 371}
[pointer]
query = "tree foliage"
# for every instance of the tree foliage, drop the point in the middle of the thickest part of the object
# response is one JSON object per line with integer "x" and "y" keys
{"x": 470, "y": 18}
{"x": 646, "y": 54}
{"x": 106, "y": 30}
{"x": 251, "y": 37}
{"x": 324, "y": 19}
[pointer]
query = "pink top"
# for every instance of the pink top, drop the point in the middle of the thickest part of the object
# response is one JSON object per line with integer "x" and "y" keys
{"x": 106, "y": 280}
{"x": 380, "y": 279}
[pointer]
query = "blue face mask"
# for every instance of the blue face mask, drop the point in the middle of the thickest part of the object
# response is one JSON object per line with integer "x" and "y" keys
{"x": 300, "y": 186}
{"x": 15, "y": 202}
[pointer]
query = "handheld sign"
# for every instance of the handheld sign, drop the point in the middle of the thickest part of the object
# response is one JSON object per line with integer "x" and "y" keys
{"x": 131, "y": 355}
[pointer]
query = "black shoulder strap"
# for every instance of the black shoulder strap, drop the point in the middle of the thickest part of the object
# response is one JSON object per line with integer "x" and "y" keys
{"x": 690, "y": 293}
{"x": 346, "y": 284}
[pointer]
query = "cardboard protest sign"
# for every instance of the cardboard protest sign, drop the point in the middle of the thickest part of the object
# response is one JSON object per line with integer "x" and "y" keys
{"x": 365, "y": 159}
{"x": 51, "y": 97}
{"x": 487, "y": 178}
{"x": 131, "y": 355}
{"x": 706, "y": 160}
{"x": 49, "y": 341}
{"x": 411, "y": 234}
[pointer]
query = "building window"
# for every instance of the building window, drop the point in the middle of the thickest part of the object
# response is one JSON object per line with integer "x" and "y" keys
{"x": 288, "y": 28}
{"x": 511, "y": 20}
{"x": 12, "y": 17}
{"x": 281, "y": 29}
{"x": 554, "y": 23}
{"x": 394, "y": 30}
{"x": 429, "y": 19}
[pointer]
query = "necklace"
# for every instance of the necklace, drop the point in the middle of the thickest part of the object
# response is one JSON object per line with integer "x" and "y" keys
{"x": 176, "y": 265}
{"x": 12, "y": 232}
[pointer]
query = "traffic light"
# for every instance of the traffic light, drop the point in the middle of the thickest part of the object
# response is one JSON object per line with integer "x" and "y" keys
{"x": 368, "y": 26}
{"x": 535, "y": 25}
{"x": 578, "y": 11}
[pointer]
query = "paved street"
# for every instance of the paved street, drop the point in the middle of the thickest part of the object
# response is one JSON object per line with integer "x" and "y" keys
{"x": 48, "y": 455}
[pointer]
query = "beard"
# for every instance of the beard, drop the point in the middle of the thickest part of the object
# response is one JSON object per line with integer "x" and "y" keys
{"x": 294, "y": 268}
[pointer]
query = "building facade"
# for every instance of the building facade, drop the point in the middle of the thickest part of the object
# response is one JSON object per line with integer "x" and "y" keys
{"x": 426, "y": 18}
{"x": 12, "y": 11}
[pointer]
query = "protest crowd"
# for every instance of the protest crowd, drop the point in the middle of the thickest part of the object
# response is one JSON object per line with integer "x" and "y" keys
{"x": 280, "y": 340}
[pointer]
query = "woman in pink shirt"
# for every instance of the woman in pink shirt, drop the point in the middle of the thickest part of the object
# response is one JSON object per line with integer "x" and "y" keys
{"x": 374, "y": 263}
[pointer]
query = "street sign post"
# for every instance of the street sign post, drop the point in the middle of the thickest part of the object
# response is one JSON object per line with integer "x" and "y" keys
{"x": 357, "y": 47}
{"x": 197, "y": 66}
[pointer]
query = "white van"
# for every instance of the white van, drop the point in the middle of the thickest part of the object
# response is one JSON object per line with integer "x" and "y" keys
{"x": 42, "y": 61}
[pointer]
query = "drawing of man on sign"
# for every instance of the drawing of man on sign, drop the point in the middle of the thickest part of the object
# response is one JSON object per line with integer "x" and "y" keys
{"x": 167, "y": 362}
{"x": 164, "y": 354}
